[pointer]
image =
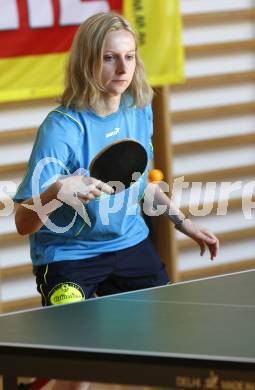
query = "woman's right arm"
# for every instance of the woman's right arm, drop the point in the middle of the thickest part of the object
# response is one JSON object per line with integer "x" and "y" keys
{"x": 28, "y": 220}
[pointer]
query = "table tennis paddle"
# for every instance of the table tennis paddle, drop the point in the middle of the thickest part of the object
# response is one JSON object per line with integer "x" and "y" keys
{"x": 118, "y": 161}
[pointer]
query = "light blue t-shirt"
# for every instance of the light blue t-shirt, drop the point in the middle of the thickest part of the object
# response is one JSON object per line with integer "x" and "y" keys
{"x": 67, "y": 141}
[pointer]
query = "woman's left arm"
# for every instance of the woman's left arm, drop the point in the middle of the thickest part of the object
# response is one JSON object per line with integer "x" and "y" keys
{"x": 154, "y": 196}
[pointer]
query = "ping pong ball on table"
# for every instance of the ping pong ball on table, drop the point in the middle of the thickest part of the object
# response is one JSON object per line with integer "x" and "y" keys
{"x": 155, "y": 175}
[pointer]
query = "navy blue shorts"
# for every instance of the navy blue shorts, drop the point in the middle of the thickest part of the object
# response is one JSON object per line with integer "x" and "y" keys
{"x": 129, "y": 269}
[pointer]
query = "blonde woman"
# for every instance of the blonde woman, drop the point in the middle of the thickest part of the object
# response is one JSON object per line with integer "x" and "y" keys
{"x": 106, "y": 99}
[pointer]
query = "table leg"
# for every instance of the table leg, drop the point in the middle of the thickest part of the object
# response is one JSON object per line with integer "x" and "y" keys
{"x": 9, "y": 382}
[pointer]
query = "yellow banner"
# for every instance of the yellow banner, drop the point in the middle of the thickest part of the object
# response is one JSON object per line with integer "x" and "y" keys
{"x": 159, "y": 27}
{"x": 31, "y": 77}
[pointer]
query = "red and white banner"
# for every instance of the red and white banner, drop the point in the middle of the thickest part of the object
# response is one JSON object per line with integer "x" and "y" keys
{"x": 35, "y": 36}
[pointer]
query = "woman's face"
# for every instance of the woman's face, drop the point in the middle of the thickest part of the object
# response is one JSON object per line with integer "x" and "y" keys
{"x": 119, "y": 61}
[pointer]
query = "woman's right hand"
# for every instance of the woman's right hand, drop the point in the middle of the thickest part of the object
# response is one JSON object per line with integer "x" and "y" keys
{"x": 85, "y": 188}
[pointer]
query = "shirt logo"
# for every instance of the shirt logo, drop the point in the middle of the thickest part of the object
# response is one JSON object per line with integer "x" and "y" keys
{"x": 112, "y": 133}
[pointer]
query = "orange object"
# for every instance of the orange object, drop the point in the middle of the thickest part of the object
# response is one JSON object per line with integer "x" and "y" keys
{"x": 155, "y": 175}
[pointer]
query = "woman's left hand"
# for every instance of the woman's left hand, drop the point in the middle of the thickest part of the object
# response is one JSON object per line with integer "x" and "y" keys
{"x": 202, "y": 236}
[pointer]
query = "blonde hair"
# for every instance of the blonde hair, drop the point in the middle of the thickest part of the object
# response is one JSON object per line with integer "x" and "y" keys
{"x": 83, "y": 86}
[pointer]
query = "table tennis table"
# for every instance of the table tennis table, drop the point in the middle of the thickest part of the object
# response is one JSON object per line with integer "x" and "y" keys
{"x": 190, "y": 335}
